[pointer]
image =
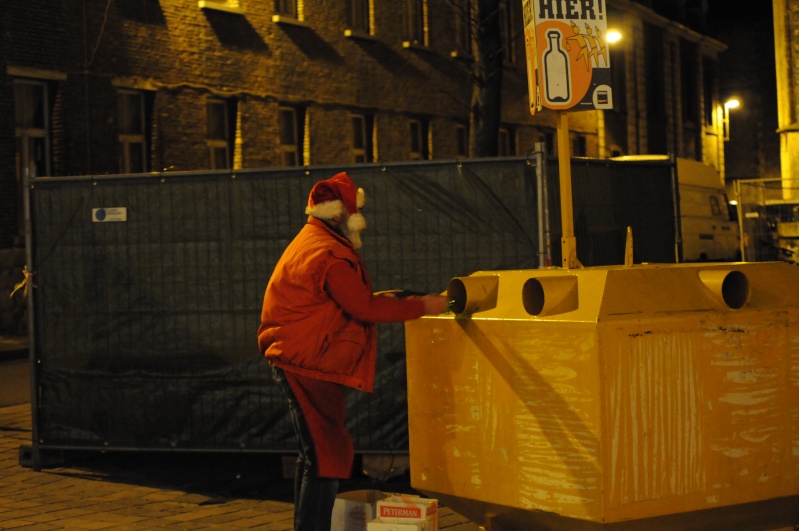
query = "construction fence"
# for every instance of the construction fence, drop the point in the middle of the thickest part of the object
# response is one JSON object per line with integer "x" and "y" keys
{"x": 768, "y": 212}
{"x": 148, "y": 287}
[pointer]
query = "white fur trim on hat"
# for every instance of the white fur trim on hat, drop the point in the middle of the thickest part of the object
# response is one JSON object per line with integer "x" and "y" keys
{"x": 326, "y": 210}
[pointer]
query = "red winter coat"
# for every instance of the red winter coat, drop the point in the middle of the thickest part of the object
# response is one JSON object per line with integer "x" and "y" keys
{"x": 319, "y": 311}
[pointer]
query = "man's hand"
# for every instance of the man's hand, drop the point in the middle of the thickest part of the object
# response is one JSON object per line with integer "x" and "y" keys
{"x": 435, "y": 304}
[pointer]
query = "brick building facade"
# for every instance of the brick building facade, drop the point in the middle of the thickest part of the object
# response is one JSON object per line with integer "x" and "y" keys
{"x": 128, "y": 86}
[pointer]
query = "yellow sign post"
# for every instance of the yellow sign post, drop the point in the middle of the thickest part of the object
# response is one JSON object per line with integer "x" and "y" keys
{"x": 568, "y": 242}
{"x": 568, "y": 68}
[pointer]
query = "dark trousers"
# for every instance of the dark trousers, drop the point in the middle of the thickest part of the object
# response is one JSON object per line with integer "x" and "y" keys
{"x": 313, "y": 496}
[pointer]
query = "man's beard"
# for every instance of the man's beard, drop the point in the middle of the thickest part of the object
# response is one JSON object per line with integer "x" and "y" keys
{"x": 352, "y": 236}
{"x": 352, "y": 227}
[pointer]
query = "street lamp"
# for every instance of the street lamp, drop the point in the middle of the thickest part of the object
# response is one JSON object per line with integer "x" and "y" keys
{"x": 732, "y": 103}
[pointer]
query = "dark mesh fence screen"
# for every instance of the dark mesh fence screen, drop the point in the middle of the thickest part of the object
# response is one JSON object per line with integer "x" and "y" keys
{"x": 609, "y": 196}
{"x": 146, "y": 328}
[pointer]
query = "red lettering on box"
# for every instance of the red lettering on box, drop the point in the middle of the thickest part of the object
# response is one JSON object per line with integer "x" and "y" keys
{"x": 400, "y": 512}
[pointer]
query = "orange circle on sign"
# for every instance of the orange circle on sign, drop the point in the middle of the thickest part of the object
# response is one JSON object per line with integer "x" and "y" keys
{"x": 580, "y": 68}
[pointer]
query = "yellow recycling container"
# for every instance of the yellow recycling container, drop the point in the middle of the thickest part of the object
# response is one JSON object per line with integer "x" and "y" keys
{"x": 643, "y": 397}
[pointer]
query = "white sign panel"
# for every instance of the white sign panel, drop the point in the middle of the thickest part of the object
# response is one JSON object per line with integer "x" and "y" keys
{"x": 572, "y": 61}
{"x": 101, "y": 215}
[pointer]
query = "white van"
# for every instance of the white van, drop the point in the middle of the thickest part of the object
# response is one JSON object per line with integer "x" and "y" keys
{"x": 708, "y": 232}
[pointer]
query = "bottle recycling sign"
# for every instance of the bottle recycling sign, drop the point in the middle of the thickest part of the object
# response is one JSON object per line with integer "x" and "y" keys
{"x": 568, "y": 62}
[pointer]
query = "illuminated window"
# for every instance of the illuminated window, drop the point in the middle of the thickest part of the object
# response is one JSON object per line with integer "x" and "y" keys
{"x": 358, "y": 15}
{"x": 231, "y": 6}
{"x": 32, "y": 128}
{"x": 415, "y": 13}
{"x": 220, "y": 132}
{"x": 362, "y": 146}
{"x": 291, "y": 123}
{"x": 419, "y": 134}
{"x": 462, "y": 134}
{"x": 132, "y": 129}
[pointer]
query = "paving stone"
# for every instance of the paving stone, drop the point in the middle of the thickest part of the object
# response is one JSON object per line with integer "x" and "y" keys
{"x": 132, "y": 492}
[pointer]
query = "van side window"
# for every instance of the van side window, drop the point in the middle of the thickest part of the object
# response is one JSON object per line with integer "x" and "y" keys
{"x": 715, "y": 208}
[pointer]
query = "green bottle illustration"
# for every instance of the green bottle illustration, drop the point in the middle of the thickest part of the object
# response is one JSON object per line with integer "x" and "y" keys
{"x": 556, "y": 70}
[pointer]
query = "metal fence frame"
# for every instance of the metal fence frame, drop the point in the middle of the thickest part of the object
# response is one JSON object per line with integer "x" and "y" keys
{"x": 98, "y": 257}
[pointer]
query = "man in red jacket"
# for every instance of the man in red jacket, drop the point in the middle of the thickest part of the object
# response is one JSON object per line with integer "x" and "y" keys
{"x": 318, "y": 333}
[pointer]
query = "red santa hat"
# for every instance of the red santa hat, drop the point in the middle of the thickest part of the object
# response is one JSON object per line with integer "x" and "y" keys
{"x": 338, "y": 195}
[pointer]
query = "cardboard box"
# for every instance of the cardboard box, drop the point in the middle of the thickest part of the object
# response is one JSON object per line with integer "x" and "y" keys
{"x": 378, "y": 524}
{"x": 353, "y": 510}
{"x": 407, "y": 509}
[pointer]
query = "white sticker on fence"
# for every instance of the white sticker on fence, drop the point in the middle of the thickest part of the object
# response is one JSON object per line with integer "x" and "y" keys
{"x": 101, "y": 215}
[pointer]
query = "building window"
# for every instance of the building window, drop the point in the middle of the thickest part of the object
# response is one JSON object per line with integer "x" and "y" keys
{"x": 362, "y": 146}
{"x": 287, "y": 8}
{"x": 419, "y": 131}
{"x": 462, "y": 138}
{"x": 506, "y": 145}
{"x": 415, "y": 12}
{"x": 656, "y": 83}
{"x": 709, "y": 90}
{"x": 220, "y": 132}
{"x": 132, "y": 132}
{"x": 579, "y": 146}
{"x": 715, "y": 206}
{"x": 32, "y": 128}
{"x": 549, "y": 138}
{"x": 230, "y": 6}
{"x": 618, "y": 58}
{"x": 291, "y": 121}
{"x": 689, "y": 92}
{"x": 463, "y": 27}
{"x": 506, "y": 18}
{"x": 147, "y": 11}
{"x": 359, "y": 15}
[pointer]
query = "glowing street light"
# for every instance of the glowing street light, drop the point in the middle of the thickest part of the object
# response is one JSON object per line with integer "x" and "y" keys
{"x": 613, "y": 36}
{"x": 732, "y": 103}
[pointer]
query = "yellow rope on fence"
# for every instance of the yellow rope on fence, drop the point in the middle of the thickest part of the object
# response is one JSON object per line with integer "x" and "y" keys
{"x": 24, "y": 283}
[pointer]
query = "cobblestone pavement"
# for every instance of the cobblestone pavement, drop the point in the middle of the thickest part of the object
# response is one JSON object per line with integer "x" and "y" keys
{"x": 138, "y": 490}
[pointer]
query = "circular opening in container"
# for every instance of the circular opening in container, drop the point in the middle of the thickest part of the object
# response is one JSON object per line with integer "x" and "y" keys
{"x": 533, "y": 296}
{"x": 456, "y": 292}
{"x": 735, "y": 290}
